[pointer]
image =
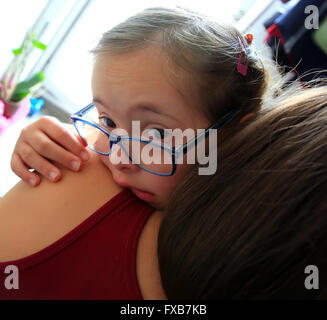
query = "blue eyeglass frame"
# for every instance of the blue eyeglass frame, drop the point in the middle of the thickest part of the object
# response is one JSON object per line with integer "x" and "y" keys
{"x": 175, "y": 152}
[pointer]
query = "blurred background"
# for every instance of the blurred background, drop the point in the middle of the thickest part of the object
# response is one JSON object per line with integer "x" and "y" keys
{"x": 45, "y": 60}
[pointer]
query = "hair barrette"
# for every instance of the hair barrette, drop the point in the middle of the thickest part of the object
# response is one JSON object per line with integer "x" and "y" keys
{"x": 249, "y": 38}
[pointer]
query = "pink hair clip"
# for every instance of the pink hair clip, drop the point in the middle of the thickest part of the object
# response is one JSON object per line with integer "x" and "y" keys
{"x": 242, "y": 68}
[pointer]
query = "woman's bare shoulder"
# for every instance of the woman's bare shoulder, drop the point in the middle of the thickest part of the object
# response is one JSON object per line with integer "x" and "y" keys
{"x": 94, "y": 179}
{"x": 50, "y": 210}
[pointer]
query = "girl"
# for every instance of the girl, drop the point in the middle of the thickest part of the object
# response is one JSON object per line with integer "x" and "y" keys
{"x": 168, "y": 68}
{"x": 257, "y": 228}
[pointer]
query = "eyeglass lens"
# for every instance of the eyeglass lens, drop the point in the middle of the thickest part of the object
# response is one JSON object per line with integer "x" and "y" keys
{"x": 149, "y": 156}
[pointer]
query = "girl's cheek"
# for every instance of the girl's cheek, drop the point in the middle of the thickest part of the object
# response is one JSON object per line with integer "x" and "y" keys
{"x": 160, "y": 187}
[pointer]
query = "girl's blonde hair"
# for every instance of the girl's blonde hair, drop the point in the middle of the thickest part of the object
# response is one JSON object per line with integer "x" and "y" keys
{"x": 203, "y": 49}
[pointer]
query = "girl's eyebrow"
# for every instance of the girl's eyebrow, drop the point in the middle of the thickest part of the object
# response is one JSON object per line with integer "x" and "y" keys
{"x": 147, "y": 107}
{"x": 143, "y": 107}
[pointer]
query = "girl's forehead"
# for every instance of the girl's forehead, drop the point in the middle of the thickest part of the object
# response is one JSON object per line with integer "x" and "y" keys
{"x": 144, "y": 73}
{"x": 147, "y": 64}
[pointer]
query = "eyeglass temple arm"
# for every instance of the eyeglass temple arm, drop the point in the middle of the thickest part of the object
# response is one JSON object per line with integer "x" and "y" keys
{"x": 203, "y": 135}
{"x": 84, "y": 110}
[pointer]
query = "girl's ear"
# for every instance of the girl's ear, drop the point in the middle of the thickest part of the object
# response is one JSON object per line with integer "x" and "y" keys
{"x": 247, "y": 116}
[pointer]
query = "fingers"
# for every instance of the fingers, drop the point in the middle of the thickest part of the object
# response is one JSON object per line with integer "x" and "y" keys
{"x": 29, "y": 158}
{"x": 18, "y": 166}
{"x": 66, "y": 138}
{"x": 45, "y": 147}
{"x": 53, "y": 141}
{"x": 42, "y": 142}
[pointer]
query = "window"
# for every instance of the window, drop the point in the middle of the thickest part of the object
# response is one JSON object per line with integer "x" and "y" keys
{"x": 16, "y": 17}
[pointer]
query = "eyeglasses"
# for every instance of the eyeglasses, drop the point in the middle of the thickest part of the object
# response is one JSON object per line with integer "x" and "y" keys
{"x": 148, "y": 154}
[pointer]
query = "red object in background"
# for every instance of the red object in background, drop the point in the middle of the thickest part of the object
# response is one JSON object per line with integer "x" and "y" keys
{"x": 273, "y": 31}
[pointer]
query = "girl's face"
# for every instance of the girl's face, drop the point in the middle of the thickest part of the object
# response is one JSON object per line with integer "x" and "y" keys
{"x": 135, "y": 86}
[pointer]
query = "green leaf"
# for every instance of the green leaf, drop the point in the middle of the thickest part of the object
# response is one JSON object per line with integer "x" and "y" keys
{"x": 23, "y": 88}
{"x": 39, "y": 45}
{"x": 18, "y": 51}
{"x": 19, "y": 96}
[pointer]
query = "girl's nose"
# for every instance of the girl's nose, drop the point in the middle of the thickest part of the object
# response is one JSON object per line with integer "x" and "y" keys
{"x": 121, "y": 160}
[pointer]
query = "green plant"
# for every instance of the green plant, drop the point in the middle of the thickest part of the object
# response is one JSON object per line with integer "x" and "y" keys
{"x": 12, "y": 89}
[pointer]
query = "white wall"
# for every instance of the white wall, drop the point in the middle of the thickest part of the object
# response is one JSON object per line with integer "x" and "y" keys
{"x": 17, "y": 16}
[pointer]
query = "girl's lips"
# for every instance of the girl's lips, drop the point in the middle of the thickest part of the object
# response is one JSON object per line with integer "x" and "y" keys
{"x": 143, "y": 195}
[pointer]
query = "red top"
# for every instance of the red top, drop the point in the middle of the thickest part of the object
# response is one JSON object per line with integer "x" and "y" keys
{"x": 95, "y": 260}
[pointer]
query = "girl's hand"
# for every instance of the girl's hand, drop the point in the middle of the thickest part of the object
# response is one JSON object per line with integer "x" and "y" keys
{"x": 42, "y": 141}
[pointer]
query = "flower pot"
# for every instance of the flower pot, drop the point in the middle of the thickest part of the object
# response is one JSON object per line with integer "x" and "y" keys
{"x": 12, "y": 112}
{"x": 11, "y": 108}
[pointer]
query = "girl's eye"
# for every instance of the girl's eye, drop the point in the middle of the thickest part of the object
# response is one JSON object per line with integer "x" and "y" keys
{"x": 157, "y": 133}
{"x": 106, "y": 122}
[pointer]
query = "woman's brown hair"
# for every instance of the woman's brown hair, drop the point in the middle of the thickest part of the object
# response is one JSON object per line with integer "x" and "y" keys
{"x": 249, "y": 231}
